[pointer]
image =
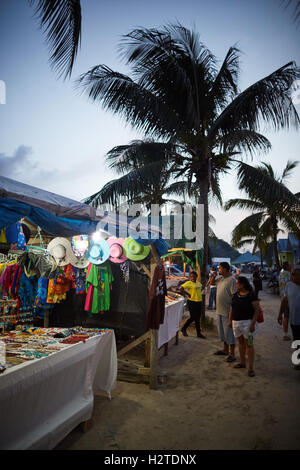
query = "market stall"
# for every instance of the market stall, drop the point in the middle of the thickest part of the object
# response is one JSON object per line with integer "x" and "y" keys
{"x": 49, "y": 384}
{"x": 99, "y": 275}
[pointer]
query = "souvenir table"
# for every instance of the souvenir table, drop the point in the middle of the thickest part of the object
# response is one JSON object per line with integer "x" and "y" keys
{"x": 173, "y": 315}
{"x": 45, "y": 397}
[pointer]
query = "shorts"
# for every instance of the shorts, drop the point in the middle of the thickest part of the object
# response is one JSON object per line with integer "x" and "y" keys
{"x": 242, "y": 328}
{"x": 225, "y": 332}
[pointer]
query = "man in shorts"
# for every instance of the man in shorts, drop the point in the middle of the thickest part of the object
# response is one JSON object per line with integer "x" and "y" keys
{"x": 226, "y": 287}
{"x": 291, "y": 300}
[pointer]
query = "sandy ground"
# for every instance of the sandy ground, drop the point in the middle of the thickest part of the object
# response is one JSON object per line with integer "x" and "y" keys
{"x": 203, "y": 402}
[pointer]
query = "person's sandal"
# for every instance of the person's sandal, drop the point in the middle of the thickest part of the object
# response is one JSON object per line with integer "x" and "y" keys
{"x": 240, "y": 366}
{"x": 251, "y": 373}
{"x": 230, "y": 359}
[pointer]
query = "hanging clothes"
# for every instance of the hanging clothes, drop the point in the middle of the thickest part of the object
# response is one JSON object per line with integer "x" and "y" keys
{"x": 158, "y": 291}
{"x": 99, "y": 279}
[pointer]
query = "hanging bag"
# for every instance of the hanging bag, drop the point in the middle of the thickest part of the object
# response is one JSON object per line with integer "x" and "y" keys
{"x": 260, "y": 318}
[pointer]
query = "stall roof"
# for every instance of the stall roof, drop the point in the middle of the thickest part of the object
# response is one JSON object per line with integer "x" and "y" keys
{"x": 246, "y": 258}
{"x": 61, "y": 216}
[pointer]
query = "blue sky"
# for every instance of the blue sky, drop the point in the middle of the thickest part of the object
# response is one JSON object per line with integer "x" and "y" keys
{"x": 53, "y": 138}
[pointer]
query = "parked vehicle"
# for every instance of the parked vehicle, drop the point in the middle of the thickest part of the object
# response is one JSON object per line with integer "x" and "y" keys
{"x": 273, "y": 283}
{"x": 173, "y": 271}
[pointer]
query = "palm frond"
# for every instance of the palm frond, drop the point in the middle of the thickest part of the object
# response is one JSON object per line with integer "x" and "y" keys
{"x": 261, "y": 186}
{"x": 246, "y": 227}
{"x": 244, "y": 140}
{"x": 247, "y": 204}
{"x": 128, "y": 186}
{"x": 141, "y": 152}
{"x": 290, "y": 166}
{"x": 61, "y": 22}
{"x": 139, "y": 107}
{"x": 268, "y": 100}
{"x": 296, "y": 9}
{"x": 225, "y": 84}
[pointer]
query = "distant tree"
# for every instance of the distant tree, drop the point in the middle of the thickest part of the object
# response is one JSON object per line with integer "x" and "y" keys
{"x": 272, "y": 203}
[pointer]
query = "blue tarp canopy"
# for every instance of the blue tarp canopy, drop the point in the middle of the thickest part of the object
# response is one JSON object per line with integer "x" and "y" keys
{"x": 63, "y": 217}
{"x": 246, "y": 258}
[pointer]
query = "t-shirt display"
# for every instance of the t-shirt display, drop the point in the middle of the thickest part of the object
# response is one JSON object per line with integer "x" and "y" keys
{"x": 99, "y": 279}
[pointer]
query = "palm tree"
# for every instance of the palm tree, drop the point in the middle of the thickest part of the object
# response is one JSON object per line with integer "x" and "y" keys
{"x": 61, "y": 22}
{"x": 271, "y": 201}
{"x": 145, "y": 180}
{"x": 179, "y": 95}
{"x": 246, "y": 232}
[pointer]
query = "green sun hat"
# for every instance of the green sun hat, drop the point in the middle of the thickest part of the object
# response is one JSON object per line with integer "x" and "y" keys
{"x": 134, "y": 250}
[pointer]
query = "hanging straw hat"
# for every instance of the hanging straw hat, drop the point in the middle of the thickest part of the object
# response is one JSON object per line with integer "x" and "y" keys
{"x": 98, "y": 251}
{"x": 134, "y": 251}
{"x": 116, "y": 250}
{"x": 61, "y": 250}
{"x": 80, "y": 245}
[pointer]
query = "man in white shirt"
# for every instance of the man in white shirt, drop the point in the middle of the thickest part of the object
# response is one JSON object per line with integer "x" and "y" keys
{"x": 291, "y": 300}
{"x": 283, "y": 279}
{"x": 226, "y": 287}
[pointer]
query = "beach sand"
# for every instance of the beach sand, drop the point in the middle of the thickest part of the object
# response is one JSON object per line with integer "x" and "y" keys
{"x": 203, "y": 402}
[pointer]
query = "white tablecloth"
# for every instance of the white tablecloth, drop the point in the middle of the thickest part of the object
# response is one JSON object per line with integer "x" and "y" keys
{"x": 170, "y": 326}
{"x": 43, "y": 400}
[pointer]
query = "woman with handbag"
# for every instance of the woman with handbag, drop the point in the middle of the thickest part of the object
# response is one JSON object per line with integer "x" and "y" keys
{"x": 243, "y": 315}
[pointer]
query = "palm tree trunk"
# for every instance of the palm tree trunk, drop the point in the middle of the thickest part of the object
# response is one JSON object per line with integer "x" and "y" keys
{"x": 275, "y": 245}
{"x": 261, "y": 256}
{"x": 203, "y": 199}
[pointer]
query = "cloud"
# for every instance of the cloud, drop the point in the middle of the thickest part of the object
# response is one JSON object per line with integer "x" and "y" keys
{"x": 22, "y": 167}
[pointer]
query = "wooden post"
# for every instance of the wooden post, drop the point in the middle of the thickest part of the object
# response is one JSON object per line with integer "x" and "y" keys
{"x": 154, "y": 261}
{"x": 153, "y": 359}
{"x": 46, "y": 318}
{"x": 147, "y": 352}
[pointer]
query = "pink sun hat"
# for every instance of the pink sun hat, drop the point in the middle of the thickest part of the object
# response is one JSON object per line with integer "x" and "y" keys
{"x": 116, "y": 250}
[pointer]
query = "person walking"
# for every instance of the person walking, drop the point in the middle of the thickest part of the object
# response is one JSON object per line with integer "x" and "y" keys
{"x": 257, "y": 281}
{"x": 193, "y": 290}
{"x": 291, "y": 300}
{"x": 237, "y": 274}
{"x": 226, "y": 287}
{"x": 243, "y": 315}
{"x": 283, "y": 278}
{"x": 212, "y": 290}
